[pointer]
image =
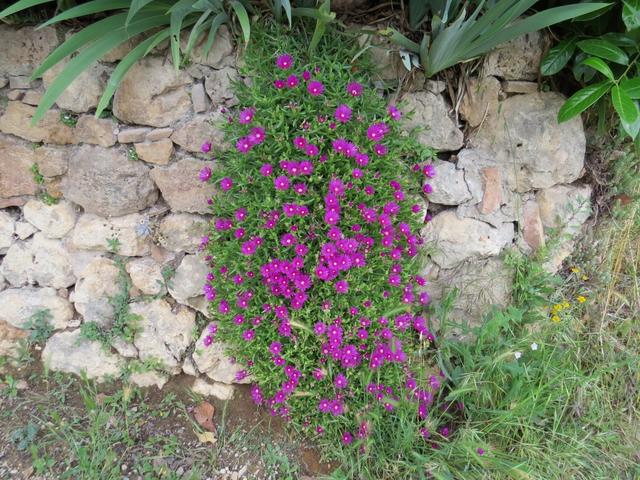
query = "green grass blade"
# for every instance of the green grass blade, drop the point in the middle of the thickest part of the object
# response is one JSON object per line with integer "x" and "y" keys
{"x": 136, "y": 6}
{"x": 243, "y": 18}
{"x": 196, "y": 31}
{"x": 89, "y": 8}
{"x": 178, "y": 12}
{"x": 215, "y": 25}
{"x": 286, "y": 4}
{"x": 80, "y": 39}
{"x": 22, "y": 5}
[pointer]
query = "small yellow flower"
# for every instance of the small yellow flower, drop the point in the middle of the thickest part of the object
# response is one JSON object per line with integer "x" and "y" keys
{"x": 585, "y": 278}
{"x": 556, "y": 308}
{"x": 555, "y": 318}
{"x": 575, "y": 269}
{"x": 566, "y": 304}
{"x": 581, "y": 299}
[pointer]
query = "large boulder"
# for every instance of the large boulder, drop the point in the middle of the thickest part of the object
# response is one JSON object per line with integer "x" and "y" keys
{"x": 55, "y": 221}
{"x": 181, "y": 187}
{"x": 25, "y": 48}
{"x": 152, "y": 93}
{"x": 219, "y": 55}
{"x": 104, "y": 181}
{"x": 10, "y": 337}
{"x": 163, "y": 334}
{"x": 480, "y": 99}
{"x": 517, "y": 59}
{"x": 525, "y": 141}
{"x": 455, "y": 239}
{"x": 93, "y": 233}
{"x": 71, "y": 353}
{"x": 146, "y": 275}
{"x": 17, "y": 305}
{"x": 52, "y": 161}
{"x": 219, "y": 85}
{"x": 97, "y": 131}
{"x": 431, "y": 117}
{"x": 17, "y": 117}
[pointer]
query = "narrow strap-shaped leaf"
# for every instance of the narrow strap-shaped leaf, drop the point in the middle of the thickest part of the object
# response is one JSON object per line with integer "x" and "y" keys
{"x": 599, "y": 65}
{"x": 178, "y": 12}
{"x": 80, "y": 39}
{"x": 583, "y": 99}
{"x": 631, "y": 86}
{"x": 125, "y": 64}
{"x": 243, "y": 18}
{"x": 631, "y": 14}
{"x": 89, "y": 8}
{"x": 91, "y": 54}
{"x": 21, "y": 5}
{"x": 558, "y": 56}
{"x": 136, "y": 6}
{"x": 196, "y": 31}
{"x": 286, "y": 4}
{"x": 215, "y": 25}
{"x": 624, "y": 105}
{"x": 321, "y": 27}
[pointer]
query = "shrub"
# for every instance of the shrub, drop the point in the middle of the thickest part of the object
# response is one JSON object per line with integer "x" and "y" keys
{"x": 314, "y": 247}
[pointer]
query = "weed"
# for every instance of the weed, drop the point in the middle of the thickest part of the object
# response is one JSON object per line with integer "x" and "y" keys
{"x": 24, "y": 437}
{"x": 39, "y": 326}
{"x": 132, "y": 154}
{"x": 113, "y": 244}
{"x": 168, "y": 272}
{"x": 10, "y": 389}
{"x": 68, "y": 119}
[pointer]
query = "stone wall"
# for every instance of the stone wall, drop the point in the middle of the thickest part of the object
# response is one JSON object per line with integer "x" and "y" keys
{"x": 133, "y": 176}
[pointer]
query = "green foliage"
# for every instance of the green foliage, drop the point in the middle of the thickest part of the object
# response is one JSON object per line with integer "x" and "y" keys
{"x": 23, "y": 437}
{"x": 39, "y": 179}
{"x": 132, "y": 154}
{"x": 607, "y": 64}
{"x": 113, "y": 244}
{"x": 68, "y": 119}
{"x": 39, "y": 326}
{"x": 454, "y": 40}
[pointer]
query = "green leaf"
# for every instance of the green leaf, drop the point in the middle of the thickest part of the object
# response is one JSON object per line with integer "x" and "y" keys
{"x": 178, "y": 12}
{"x": 631, "y": 128}
{"x": 215, "y": 25}
{"x": 22, "y": 5}
{"x": 197, "y": 31}
{"x": 624, "y": 105}
{"x": 599, "y": 65}
{"x": 243, "y": 18}
{"x": 604, "y": 49}
{"x": 631, "y": 86}
{"x": 89, "y": 8}
{"x": 583, "y": 99}
{"x": 620, "y": 39}
{"x": 631, "y": 14}
{"x": 136, "y": 6}
{"x": 558, "y": 57}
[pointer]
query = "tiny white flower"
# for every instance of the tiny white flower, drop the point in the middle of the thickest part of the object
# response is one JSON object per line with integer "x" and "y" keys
{"x": 534, "y": 346}
{"x": 517, "y": 355}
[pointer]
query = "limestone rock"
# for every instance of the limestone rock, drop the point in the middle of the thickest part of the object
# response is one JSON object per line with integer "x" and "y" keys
{"x": 181, "y": 187}
{"x": 124, "y": 348}
{"x": 480, "y": 99}
{"x": 199, "y": 98}
{"x": 146, "y": 275}
{"x": 220, "y": 54}
{"x": 158, "y": 134}
{"x": 133, "y": 135}
{"x": 221, "y": 391}
{"x": 24, "y": 230}
{"x": 9, "y": 338}
{"x": 93, "y": 233}
{"x": 518, "y": 59}
{"x": 149, "y": 379}
{"x": 16, "y": 120}
{"x": 385, "y": 55}
{"x": 155, "y": 152}
{"x": 17, "y": 305}
{"x": 52, "y": 161}
{"x": 182, "y": 232}
{"x": 432, "y": 117}
{"x": 191, "y": 134}
{"x": 532, "y": 230}
{"x": 565, "y": 206}
{"x": 152, "y": 93}
{"x": 218, "y": 84}
{"x": 55, "y": 221}
{"x": 33, "y": 97}
{"x": 18, "y": 264}
{"x": 214, "y": 362}
{"x": 84, "y": 92}
{"x": 15, "y": 164}
{"x": 529, "y": 146}
{"x": 7, "y": 228}
{"x": 105, "y": 182}
{"x": 69, "y": 352}
{"x": 93, "y": 291}
{"x": 517, "y": 86}
{"x": 449, "y": 186}
{"x": 25, "y": 48}
{"x": 164, "y": 335}
{"x": 51, "y": 263}
{"x": 97, "y": 131}
{"x": 458, "y": 239}
{"x": 189, "y": 278}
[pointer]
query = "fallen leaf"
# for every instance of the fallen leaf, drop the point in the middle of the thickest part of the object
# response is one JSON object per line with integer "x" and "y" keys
{"x": 206, "y": 437}
{"x": 203, "y": 414}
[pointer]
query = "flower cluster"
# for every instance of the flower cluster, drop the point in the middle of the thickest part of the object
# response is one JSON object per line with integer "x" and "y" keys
{"x": 314, "y": 284}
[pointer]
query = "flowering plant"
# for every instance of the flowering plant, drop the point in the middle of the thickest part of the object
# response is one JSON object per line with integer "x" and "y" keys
{"x": 314, "y": 249}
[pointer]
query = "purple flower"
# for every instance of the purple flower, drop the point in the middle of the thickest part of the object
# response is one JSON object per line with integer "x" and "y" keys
{"x": 249, "y": 247}
{"x": 311, "y": 150}
{"x": 299, "y": 142}
{"x": 377, "y": 131}
{"x": 480, "y": 451}
{"x": 284, "y": 61}
{"x": 282, "y": 183}
{"x": 380, "y": 149}
{"x": 243, "y": 145}
{"x": 342, "y": 286}
{"x": 347, "y": 438}
{"x": 342, "y": 113}
{"x": 275, "y": 348}
{"x": 248, "y": 335}
{"x": 256, "y": 136}
{"x": 226, "y": 183}
{"x": 394, "y": 112}
{"x": 315, "y": 88}
{"x": 205, "y": 174}
{"x": 205, "y": 147}
{"x": 266, "y": 170}
{"x": 340, "y": 381}
{"x": 427, "y": 188}
{"x": 208, "y": 340}
{"x": 246, "y": 116}
{"x": 306, "y": 75}
{"x": 354, "y": 89}
{"x": 292, "y": 81}
{"x": 279, "y": 84}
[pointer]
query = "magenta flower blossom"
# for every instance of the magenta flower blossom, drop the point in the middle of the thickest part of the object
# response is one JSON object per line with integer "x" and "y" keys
{"x": 284, "y": 61}
{"x": 347, "y": 438}
{"x": 306, "y": 75}
{"x": 300, "y": 142}
{"x": 377, "y": 131}
{"x": 246, "y": 116}
{"x": 205, "y": 147}
{"x": 226, "y": 183}
{"x": 380, "y": 149}
{"x": 256, "y": 136}
{"x": 279, "y": 84}
{"x": 243, "y": 145}
{"x": 249, "y": 248}
{"x": 292, "y": 81}
{"x": 311, "y": 150}
{"x": 315, "y": 88}
{"x": 266, "y": 170}
{"x": 342, "y": 286}
{"x": 248, "y": 335}
{"x": 282, "y": 183}
{"x": 205, "y": 174}
{"x": 427, "y": 188}
{"x": 342, "y": 113}
{"x": 394, "y": 113}
{"x": 354, "y": 89}
{"x": 429, "y": 170}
